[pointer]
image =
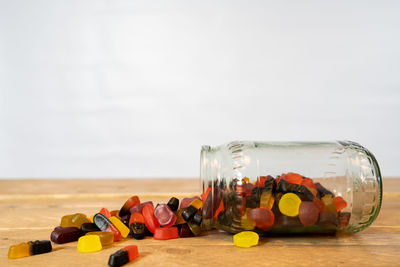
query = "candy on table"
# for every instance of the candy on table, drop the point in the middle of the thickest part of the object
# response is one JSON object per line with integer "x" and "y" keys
{"x": 264, "y": 218}
{"x": 194, "y": 228}
{"x": 185, "y": 231}
{"x": 105, "y": 212}
{"x": 245, "y": 180}
{"x": 123, "y": 256}
{"x": 91, "y": 218}
{"x": 89, "y": 227}
{"x": 188, "y": 213}
{"x": 122, "y": 228}
{"x": 267, "y": 200}
{"x": 138, "y": 230}
{"x": 164, "y": 215}
{"x": 329, "y": 205}
{"x": 40, "y": 246}
{"x": 308, "y": 213}
{"x": 131, "y": 202}
{"x": 340, "y": 203}
{"x": 173, "y": 203}
{"x": 104, "y": 224}
{"x": 62, "y": 235}
{"x": 344, "y": 218}
{"x": 179, "y": 218}
{"x": 29, "y": 248}
{"x": 197, "y": 218}
{"x": 149, "y": 219}
{"x": 89, "y": 243}
{"x": 136, "y": 218}
{"x": 289, "y": 204}
{"x": 139, "y": 207}
{"x": 246, "y": 223}
{"x": 74, "y": 220}
{"x": 114, "y": 213}
{"x": 125, "y": 219}
{"x": 186, "y": 201}
{"x": 245, "y": 239}
{"x": 165, "y": 233}
{"x": 118, "y": 258}
{"x": 19, "y": 251}
{"x": 197, "y": 203}
{"x": 106, "y": 238}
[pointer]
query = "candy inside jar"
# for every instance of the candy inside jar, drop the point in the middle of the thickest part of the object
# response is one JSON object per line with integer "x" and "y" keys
{"x": 285, "y": 188}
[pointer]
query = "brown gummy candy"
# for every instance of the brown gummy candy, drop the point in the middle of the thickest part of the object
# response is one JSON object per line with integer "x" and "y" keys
{"x": 308, "y": 213}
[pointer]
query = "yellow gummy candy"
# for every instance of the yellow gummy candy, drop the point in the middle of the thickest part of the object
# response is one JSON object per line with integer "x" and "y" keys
{"x": 19, "y": 251}
{"x": 89, "y": 243}
{"x": 246, "y": 180}
{"x": 329, "y": 205}
{"x": 246, "y": 223}
{"x": 289, "y": 204}
{"x": 106, "y": 238}
{"x": 266, "y": 200}
{"x": 197, "y": 203}
{"x": 74, "y": 220}
{"x": 245, "y": 239}
{"x": 120, "y": 226}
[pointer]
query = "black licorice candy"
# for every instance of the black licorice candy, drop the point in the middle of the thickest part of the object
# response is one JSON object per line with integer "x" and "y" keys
{"x": 197, "y": 218}
{"x": 188, "y": 213}
{"x": 89, "y": 227}
{"x": 40, "y": 246}
{"x": 61, "y": 235}
{"x": 173, "y": 203}
{"x": 118, "y": 258}
{"x": 138, "y": 230}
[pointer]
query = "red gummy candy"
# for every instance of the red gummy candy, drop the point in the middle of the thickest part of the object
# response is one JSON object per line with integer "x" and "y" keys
{"x": 308, "y": 182}
{"x": 263, "y": 217}
{"x": 165, "y": 233}
{"x": 105, "y": 212}
{"x": 136, "y": 218}
{"x": 149, "y": 219}
{"x": 293, "y": 178}
{"x": 340, "y": 203}
{"x": 164, "y": 215}
{"x": 133, "y": 252}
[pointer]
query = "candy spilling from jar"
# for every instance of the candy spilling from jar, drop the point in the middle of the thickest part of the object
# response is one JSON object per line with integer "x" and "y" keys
{"x": 289, "y": 203}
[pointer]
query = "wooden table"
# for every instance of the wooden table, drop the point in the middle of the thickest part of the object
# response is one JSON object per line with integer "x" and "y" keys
{"x": 30, "y": 209}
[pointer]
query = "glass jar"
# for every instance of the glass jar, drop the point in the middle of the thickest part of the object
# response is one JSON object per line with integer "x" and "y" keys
{"x": 290, "y": 187}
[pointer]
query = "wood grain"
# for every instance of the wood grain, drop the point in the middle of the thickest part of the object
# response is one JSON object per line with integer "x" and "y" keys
{"x": 32, "y": 208}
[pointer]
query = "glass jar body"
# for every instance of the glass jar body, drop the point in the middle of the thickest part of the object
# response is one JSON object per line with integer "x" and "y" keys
{"x": 290, "y": 187}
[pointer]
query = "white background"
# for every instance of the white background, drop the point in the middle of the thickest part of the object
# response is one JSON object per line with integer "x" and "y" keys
{"x": 134, "y": 88}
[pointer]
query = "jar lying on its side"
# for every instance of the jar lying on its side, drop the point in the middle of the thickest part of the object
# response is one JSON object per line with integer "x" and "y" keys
{"x": 293, "y": 187}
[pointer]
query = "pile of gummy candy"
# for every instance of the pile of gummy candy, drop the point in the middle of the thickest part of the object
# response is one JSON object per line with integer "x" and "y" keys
{"x": 165, "y": 221}
{"x": 289, "y": 203}
{"x": 243, "y": 208}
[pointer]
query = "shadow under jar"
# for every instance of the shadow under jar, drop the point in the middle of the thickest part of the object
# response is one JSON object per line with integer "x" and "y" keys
{"x": 290, "y": 187}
